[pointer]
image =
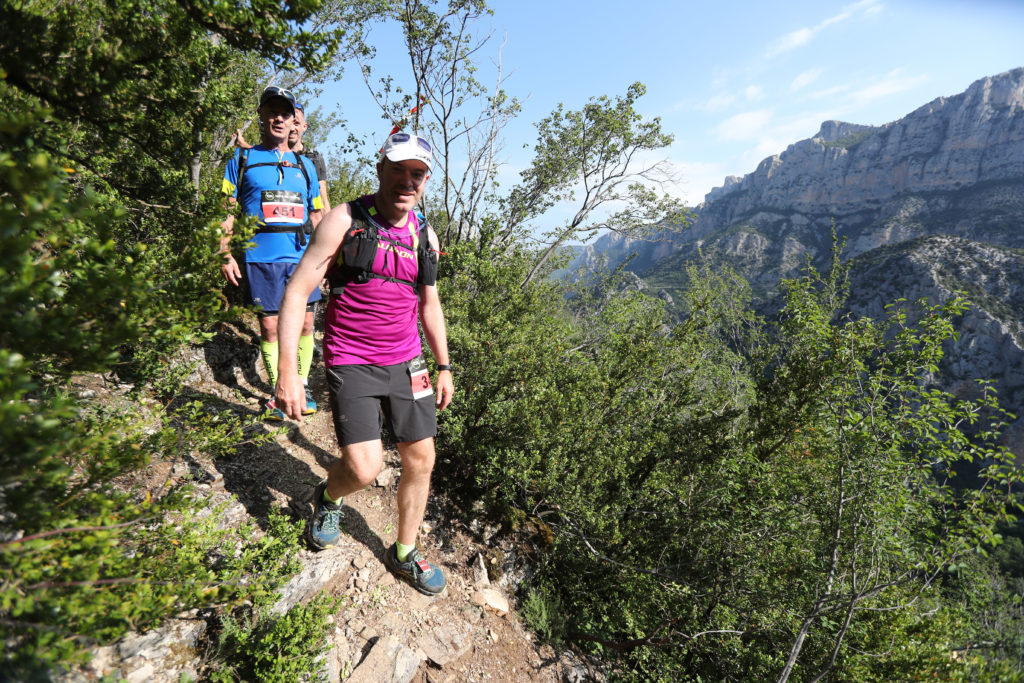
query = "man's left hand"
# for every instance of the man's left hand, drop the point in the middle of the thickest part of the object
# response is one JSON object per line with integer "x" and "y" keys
{"x": 445, "y": 389}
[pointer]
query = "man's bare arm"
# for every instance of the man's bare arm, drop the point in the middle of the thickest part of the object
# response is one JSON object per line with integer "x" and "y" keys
{"x": 232, "y": 273}
{"x": 321, "y": 252}
{"x": 432, "y": 320}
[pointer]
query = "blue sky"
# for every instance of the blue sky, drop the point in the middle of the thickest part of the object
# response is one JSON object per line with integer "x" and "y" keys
{"x": 734, "y": 81}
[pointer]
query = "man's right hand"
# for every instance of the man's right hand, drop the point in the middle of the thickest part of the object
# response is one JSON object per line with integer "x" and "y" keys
{"x": 230, "y": 270}
{"x": 290, "y": 397}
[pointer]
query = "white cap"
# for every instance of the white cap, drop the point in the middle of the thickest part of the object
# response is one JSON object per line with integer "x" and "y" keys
{"x": 405, "y": 146}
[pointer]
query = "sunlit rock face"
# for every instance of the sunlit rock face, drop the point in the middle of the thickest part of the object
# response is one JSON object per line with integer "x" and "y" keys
{"x": 927, "y": 205}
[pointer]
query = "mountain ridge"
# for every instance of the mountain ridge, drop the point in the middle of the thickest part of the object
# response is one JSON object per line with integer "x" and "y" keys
{"x": 937, "y": 195}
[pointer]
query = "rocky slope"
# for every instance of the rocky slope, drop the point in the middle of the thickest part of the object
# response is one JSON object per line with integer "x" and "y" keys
{"x": 384, "y": 631}
{"x": 953, "y": 168}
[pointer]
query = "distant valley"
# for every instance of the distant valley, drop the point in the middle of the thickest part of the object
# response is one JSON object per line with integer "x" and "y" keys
{"x": 930, "y": 204}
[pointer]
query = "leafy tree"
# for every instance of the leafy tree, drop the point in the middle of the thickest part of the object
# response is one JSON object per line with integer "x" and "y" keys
{"x": 598, "y": 152}
{"x": 444, "y": 98}
{"x": 110, "y": 266}
{"x": 726, "y": 501}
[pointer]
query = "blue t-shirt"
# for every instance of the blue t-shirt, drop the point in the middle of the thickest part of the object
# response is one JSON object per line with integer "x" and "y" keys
{"x": 277, "y": 195}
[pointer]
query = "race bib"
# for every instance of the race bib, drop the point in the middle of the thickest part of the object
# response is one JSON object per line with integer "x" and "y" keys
{"x": 419, "y": 377}
{"x": 282, "y": 207}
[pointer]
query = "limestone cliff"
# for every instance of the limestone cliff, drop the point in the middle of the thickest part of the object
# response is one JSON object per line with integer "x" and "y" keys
{"x": 928, "y": 204}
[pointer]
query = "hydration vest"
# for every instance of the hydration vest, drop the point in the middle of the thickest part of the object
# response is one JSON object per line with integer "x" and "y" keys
{"x": 300, "y": 231}
{"x": 354, "y": 262}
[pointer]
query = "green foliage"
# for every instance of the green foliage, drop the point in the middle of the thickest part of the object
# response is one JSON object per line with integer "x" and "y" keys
{"x": 543, "y": 612}
{"x": 257, "y": 645}
{"x": 593, "y": 151}
{"x": 109, "y": 235}
{"x": 730, "y": 500}
{"x": 852, "y": 140}
{"x": 348, "y": 181}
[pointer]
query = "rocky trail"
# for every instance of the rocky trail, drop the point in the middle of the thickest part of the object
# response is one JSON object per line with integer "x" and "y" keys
{"x": 384, "y": 630}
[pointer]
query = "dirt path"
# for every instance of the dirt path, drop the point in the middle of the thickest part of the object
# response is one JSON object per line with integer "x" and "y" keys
{"x": 385, "y": 630}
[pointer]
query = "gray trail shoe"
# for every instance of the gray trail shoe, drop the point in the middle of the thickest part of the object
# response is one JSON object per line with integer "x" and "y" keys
{"x": 324, "y": 528}
{"x": 420, "y": 574}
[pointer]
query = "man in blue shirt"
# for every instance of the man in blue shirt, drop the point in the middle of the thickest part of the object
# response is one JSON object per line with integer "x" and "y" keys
{"x": 281, "y": 190}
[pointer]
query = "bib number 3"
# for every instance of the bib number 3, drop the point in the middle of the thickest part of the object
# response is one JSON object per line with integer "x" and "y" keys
{"x": 419, "y": 378}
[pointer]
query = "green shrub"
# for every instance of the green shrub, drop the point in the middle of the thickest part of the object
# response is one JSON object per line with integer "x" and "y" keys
{"x": 256, "y": 645}
{"x": 729, "y": 500}
{"x": 543, "y": 612}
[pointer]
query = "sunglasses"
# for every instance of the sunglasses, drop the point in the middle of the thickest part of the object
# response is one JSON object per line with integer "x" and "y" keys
{"x": 405, "y": 137}
{"x": 275, "y": 91}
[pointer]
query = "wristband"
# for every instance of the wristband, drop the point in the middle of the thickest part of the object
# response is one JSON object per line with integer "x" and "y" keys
{"x": 444, "y": 366}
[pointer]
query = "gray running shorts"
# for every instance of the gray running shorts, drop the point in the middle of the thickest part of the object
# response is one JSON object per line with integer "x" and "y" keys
{"x": 364, "y": 396}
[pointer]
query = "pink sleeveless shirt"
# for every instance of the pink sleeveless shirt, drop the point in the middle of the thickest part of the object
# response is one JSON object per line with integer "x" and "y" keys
{"x": 375, "y": 322}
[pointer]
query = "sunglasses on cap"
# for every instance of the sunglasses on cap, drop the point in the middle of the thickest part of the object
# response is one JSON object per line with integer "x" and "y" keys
{"x": 275, "y": 91}
{"x": 399, "y": 138}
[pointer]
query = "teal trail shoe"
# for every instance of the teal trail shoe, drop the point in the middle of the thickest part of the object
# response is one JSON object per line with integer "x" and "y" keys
{"x": 420, "y": 574}
{"x": 310, "y": 403}
{"x": 324, "y": 528}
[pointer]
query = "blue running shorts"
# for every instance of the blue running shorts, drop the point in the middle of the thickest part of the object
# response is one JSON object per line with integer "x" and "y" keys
{"x": 266, "y": 283}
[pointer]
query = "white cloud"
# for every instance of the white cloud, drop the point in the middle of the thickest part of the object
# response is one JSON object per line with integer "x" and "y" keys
{"x": 746, "y": 126}
{"x": 719, "y": 102}
{"x": 791, "y": 41}
{"x": 696, "y": 179}
{"x": 805, "y": 79}
{"x": 722, "y": 101}
{"x": 827, "y": 92}
{"x": 802, "y": 36}
{"x": 892, "y": 83}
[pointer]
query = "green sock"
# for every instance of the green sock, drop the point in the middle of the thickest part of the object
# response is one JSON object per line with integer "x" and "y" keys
{"x": 269, "y": 351}
{"x": 328, "y": 499}
{"x": 305, "y": 356}
{"x": 403, "y": 550}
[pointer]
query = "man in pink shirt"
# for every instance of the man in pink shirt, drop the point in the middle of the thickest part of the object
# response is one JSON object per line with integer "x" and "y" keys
{"x": 382, "y": 266}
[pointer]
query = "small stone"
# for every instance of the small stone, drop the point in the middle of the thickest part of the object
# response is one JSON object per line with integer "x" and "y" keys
{"x": 384, "y": 479}
{"x": 389, "y": 660}
{"x": 143, "y": 673}
{"x": 360, "y": 561}
{"x": 492, "y": 635}
{"x": 426, "y": 528}
{"x": 393, "y": 622}
{"x": 495, "y": 601}
{"x": 480, "y": 579}
{"x": 478, "y": 599}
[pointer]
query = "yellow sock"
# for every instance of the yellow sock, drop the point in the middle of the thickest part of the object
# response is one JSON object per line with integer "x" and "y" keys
{"x": 269, "y": 352}
{"x": 305, "y": 356}
{"x": 403, "y": 550}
